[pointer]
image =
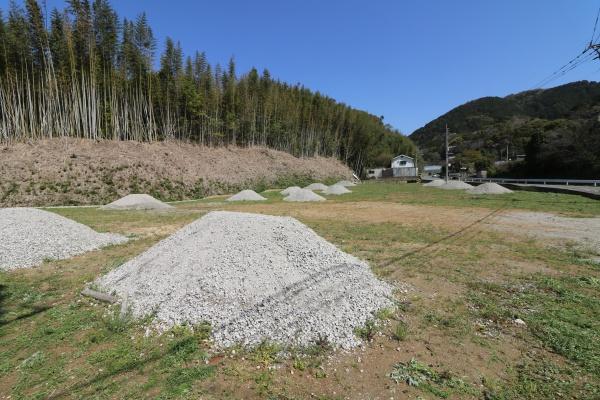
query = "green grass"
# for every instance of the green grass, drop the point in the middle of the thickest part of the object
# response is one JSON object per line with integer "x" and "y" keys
{"x": 440, "y": 384}
{"x": 413, "y": 193}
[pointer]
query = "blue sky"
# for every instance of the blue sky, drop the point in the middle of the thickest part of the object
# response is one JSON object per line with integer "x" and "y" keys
{"x": 409, "y": 61}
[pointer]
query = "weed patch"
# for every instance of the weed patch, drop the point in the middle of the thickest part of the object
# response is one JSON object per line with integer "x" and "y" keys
{"x": 440, "y": 384}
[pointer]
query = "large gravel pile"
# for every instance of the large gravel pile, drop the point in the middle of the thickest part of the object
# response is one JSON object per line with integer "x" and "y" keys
{"x": 137, "y": 202}
{"x": 337, "y": 189}
{"x": 435, "y": 183}
{"x": 29, "y": 236}
{"x": 253, "y": 277}
{"x": 316, "y": 186}
{"x": 289, "y": 190}
{"x": 455, "y": 185}
{"x": 346, "y": 183}
{"x": 304, "y": 195}
{"x": 246, "y": 195}
{"x": 489, "y": 188}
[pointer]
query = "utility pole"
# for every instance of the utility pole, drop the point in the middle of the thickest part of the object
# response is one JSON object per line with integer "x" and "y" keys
{"x": 447, "y": 165}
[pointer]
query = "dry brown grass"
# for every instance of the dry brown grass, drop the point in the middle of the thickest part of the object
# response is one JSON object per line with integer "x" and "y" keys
{"x": 77, "y": 171}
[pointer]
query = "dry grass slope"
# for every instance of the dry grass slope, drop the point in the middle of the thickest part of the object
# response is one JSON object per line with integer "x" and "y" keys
{"x": 76, "y": 171}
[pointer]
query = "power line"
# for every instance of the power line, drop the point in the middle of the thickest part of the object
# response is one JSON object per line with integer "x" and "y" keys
{"x": 573, "y": 63}
{"x": 591, "y": 52}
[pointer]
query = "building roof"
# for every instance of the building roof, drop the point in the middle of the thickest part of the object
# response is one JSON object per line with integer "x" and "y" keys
{"x": 402, "y": 156}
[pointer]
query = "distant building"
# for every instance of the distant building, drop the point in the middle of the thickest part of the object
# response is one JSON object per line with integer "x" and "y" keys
{"x": 432, "y": 169}
{"x": 403, "y": 161}
{"x": 374, "y": 173}
{"x": 403, "y": 167}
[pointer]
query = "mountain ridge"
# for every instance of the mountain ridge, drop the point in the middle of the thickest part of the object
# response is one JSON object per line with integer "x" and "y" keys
{"x": 546, "y": 125}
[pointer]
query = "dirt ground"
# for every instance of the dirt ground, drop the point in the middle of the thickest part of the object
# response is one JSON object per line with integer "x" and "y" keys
{"x": 464, "y": 276}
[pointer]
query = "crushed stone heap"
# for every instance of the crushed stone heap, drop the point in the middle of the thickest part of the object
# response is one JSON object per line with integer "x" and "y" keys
{"x": 28, "y": 236}
{"x": 304, "y": 195}
{"x": 455, "y": 185}
{"x": 289, "y": 190}
{"x": 137, "y": 202}
{"x": 337, "y": 190}
{"x": 346, "y": 183}
{"x": 246, "y": 195}
{"x": 435, "y": 183}
{"x": 316, "y": 186}
{"x": 489, "y": 188}
{"x": 252, "y": 277}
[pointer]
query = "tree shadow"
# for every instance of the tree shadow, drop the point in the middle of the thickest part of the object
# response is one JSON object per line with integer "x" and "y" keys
{"x": 137, "y": 365}
{"x": 34, "y": 310}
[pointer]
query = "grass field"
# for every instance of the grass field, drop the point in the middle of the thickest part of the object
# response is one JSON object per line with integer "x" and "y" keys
{"x": 454, "y": 335}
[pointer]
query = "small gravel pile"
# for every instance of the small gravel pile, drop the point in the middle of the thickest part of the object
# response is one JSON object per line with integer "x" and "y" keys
{"x": 489, "y": 188}
{"x": 435, "y": 183}
{"x": 346, "y": 183}
{"x": 304, "y": 195}
{"x": 455, "y": 185}
{"x": 252, "y": 277}
{"x": 316, "y": 186}
{"x": 28, "y": 236}
{"x": 289, "y": 190}
{"x": 246, "y": 195}
{"x": 137, "y": 202}
{"x": 337, "y": 189}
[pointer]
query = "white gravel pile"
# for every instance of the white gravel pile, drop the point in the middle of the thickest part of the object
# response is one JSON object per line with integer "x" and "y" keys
{"x": 316, "y": 186}
{"x": 289, "y": 190}
{"x": 346, "y": 183}
{"x": 304, "y": 195}
{"x": 489, "y": 188}
{"x": 246, "y": 195}
{"x": 455, "y": 185}
{"x": 435, "y": 183}
{"x": 28, "y": 236}
{"x": 137, "y": 202}
{"x": 252, "y": 277}
{"x": 337, "y": 189}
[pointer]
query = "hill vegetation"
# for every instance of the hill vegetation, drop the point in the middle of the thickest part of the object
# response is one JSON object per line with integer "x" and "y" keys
{"x": 89, "y": 74}
{"x": 556, "y": 129}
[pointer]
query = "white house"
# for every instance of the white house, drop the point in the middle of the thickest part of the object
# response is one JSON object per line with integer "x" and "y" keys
{"x": 403, "y": 161}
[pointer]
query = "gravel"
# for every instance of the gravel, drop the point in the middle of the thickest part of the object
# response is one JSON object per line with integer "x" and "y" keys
{"x": 566, "y": 232}
{"x": 29, "y": 236}
{"x": 289, "y": 190}
{"x": 246, "y": 195}
{"x": 316, "y": 186}
{"x": 137, "y": 202}
{"x": 346, "y": 183}
{"x": 455, "y": 185}
{"x": 337, "y": 190}
{"x": 435, "y": 183}
{"x": 489, "y": 188}
{"x": 253, "y": 278}
{"x": 304, "y": 195}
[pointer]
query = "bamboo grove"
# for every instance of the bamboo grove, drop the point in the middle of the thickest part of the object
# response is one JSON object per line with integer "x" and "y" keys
{"x": 82, "y": 72}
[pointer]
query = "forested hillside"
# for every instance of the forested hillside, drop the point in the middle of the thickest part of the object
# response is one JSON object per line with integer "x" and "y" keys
{"x": 557, "y": 129}
{"x": 89, "y": 74}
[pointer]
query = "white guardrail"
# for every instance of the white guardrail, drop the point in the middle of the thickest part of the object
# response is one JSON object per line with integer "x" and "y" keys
{"x": 567, "y": 182}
